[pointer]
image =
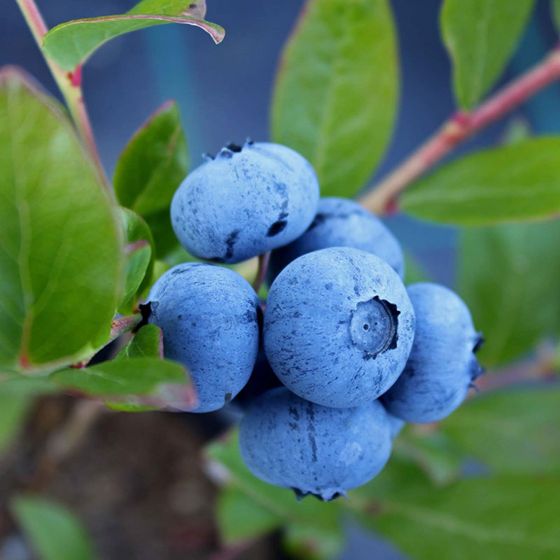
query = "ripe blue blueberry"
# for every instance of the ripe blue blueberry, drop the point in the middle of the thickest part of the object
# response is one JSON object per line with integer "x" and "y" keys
{"x": 442, "y": 365}
{"x": 338, "y": 327}
{"x": 395, "y": 425}
{"x": 209, "y": 319}
{"x": 246, "y": 201}
{"x": 313, "y": 449}
{"x": 340, "y": 222}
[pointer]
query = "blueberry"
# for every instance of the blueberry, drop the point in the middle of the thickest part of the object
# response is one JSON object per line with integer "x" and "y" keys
{"x": 341, "y": 222}
{"x": 395, "y": 425}
{"x": 338, "y": 326}
{"x": 246, "y": 201}
{"x": 442, "y": 365}
{"x": 209, "y": 318}
{"x": 313, "y": 449}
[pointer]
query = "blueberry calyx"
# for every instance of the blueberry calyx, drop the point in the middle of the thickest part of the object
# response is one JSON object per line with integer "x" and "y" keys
{"x": 277, "y": 227}
{"x": 326, "y": 496}
{"x": 145, "y": 312}
{"x": 373, "y": 326}
{"x": 228, "y": 150}
{"x": 233, "y": 147}
{"x": 478, "y": 342}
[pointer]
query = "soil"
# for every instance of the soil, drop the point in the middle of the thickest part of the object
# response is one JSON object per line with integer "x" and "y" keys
{"x": 136, "y": 481}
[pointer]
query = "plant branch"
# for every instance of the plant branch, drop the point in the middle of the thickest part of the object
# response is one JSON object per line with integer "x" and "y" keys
{"x": 459, "y": 128}
{"x": 119, "y": 326}
{"x": 69, "y": 83}
{"x": 541, "y": 368}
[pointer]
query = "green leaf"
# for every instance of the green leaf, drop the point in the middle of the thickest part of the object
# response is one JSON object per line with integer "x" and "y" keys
{"x": 313, "y": 542}
{"x": 139, "y": 263}
{"x": 15, "y": 385}
{"x": 315, "y": 519}
{"x": 481, "y": 36}
{"x": 165, "y": 239}
{"x": 146, "y": 343}
{"x": 400, "y": 477}
{"x": 72, "y": 43}
{"x": 509, "y": 276}
{"x": 510, "y": 432}
{"x": 241, "y": 519}
{"x": 437, "y": 455}
{"x": 336, "y": 93}
{"x": 13, "y": 411}
{"x": 153, "y": 163}
{"x": 17, "y": 393}
{"x": 136, "y": 383}
{"x": 150, "y": 169}
{"x": 160, "y": 268}
{"x": 54, "y": 532}
{"x": 503, "y": 518}
{"x": 509, "y": 183}
{"x": 60, "y": 248}
{"x": 555, "y": 8}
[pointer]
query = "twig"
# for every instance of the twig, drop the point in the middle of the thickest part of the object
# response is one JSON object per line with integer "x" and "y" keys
{"x": 459, "y": 128}
{"x": 541, "y": 368}
{"x": 70, "y": 85}
{"x": 264, "y": 260}
{"x": 120, "y": 325}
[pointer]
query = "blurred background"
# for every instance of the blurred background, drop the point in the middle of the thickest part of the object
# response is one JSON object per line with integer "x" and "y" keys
{"x": 137, "y": 481}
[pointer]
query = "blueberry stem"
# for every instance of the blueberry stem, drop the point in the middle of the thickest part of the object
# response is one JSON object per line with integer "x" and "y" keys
{"x": 119, "y": 326}
{"x": 264, "y": 259}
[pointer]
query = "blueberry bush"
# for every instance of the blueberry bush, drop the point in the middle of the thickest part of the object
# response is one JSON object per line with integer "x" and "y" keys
{"x": 263, "y": 281}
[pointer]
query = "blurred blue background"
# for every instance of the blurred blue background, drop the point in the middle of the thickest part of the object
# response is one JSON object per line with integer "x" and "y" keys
{"x": 224, "y": 94}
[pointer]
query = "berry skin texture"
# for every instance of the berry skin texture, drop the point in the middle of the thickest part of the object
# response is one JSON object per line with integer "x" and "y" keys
{"x": 245, "y": 202}
{"x": 209, "y": 318}
{"x": 313, "y": 449}
{"x": 338, "y": 327}
{"x": 341, "y": 222}
{"x": 442, "y": 365}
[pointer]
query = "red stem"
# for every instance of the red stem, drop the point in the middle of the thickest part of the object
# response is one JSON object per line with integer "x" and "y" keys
{"x": 81, "y": 117}
{"x": 36, "y": 22}
{"x": 70, "y": 84}
{"x": 459, "y": 128}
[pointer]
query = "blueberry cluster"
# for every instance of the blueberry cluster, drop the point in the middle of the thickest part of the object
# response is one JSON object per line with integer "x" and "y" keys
{"x": 340, "y": 355}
